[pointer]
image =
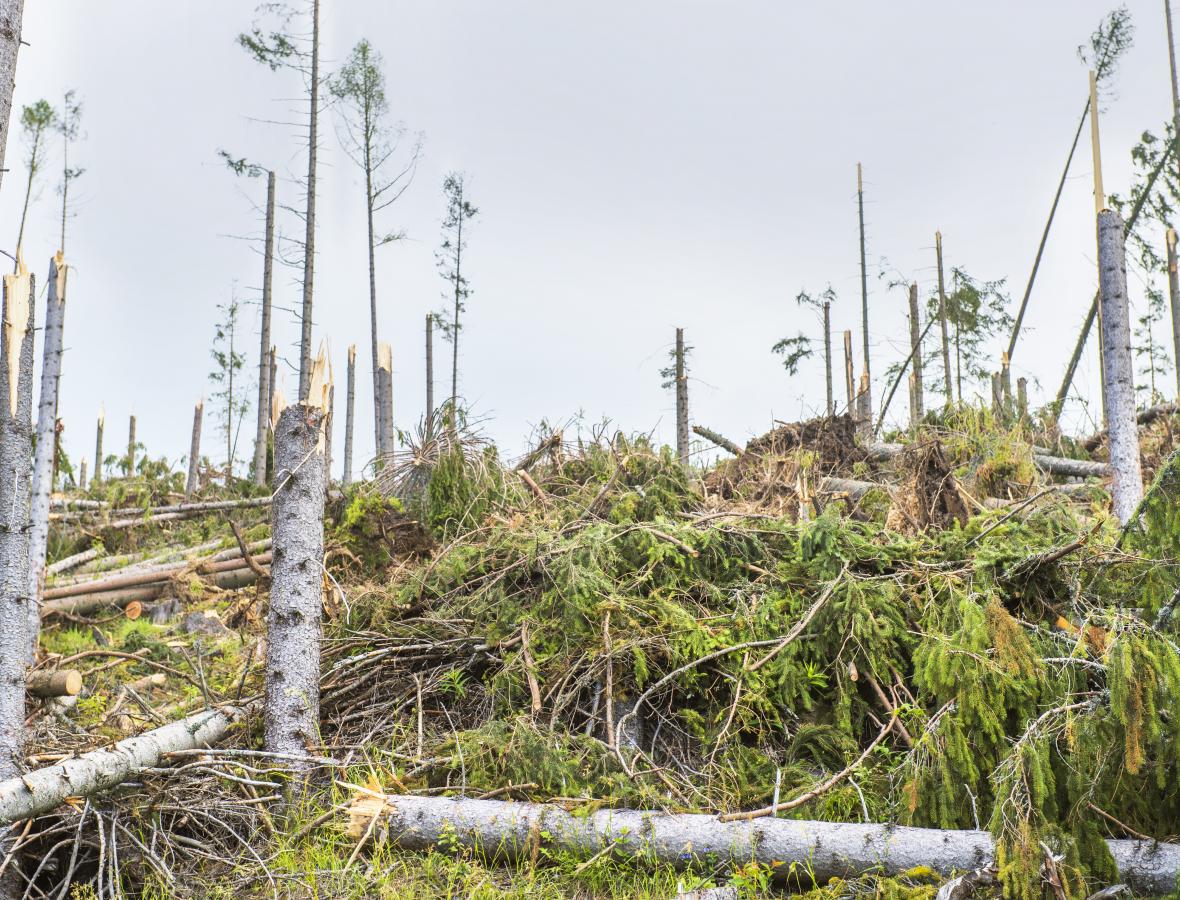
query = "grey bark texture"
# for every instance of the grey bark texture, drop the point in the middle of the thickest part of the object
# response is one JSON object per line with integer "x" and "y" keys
{"x": 865, "y": 413}
{"x": 43, "y": 790}
{"x": 1022, "y": 398}
{"x": 916, "y": 358}
{"x": 430, "y": 367}
{"x": 1174, "y": 297}
{"x": 329, "y": 426}
{"x": 849, "y": 376}
{"x": 55, "y": 311}
{"x": 16, "y": 453}
{"x": 131, "y": 448}
{"x": 262, "y": 425}
{"x": 831, "y": 408}
{"x": 1118, "y": 386}
{"x": 11, "y": 14}
{"x": 309, "y": 213}
{"x": 82, "y": 474}
{"x": 349, "y": 412}
{"x": 946, "y": 341}
{"x": 293, "y": 621}
{"x": 194, "y": 450}
{"x": 829, "y": 849}
{"x": 681, "y": 401}
{"x": 97, "y": 476}
{"x": 719, "y": 439}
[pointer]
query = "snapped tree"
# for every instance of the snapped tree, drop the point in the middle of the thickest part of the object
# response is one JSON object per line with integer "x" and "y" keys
{"x": 69, "y": 126}
{"x": 449, "y": 259}
{"x": 230, "y": 400}
{"x": 794, "y": 350}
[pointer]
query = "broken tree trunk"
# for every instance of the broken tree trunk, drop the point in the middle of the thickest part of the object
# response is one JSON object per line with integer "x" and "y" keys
{"x": 1174, "y": 298}
{"x": 296, "y": 596}
{"x": 97, "y": 477}
{"x": 194, "y": 451}
{"x": 60, "y": 683}
{"x": 262, "y": 423}
{"x": 329, "y": 422}
{"x": 349, "y": 411}
{"x": 1054, "y": 465}
{"x": 82, "y": 474}
{"x": 681, "y": 401}
{"x": 131, "y": 448}
{"x": 831, "y": 407}
{"x": 865, "y": 414}
{"x": 385, "y": 442}
{"x": 305, "y": 361}
{"x": 849, "y": 377}
{"x": 55, "y": 311}
{"x": 830, "y": 849}
{"x": 916, "y": 357}
{"x": 1118, "y": 383}
{"x": 720, "y": 440}
{"x": 946, "y": 342}
{"x": 43, "y": 790}
{"x": 16, "y": 453}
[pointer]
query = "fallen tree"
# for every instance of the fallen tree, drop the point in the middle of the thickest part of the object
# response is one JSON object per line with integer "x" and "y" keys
{"x": 1054, "y": 465}
{"x": 42, "y": 790}
{"x": 823, "y": 850}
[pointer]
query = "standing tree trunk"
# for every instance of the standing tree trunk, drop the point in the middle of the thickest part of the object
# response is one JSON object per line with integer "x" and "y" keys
{"x": 916, "y": 356}
{"x": 274, "y": 378}
{"x": 329, "y": 422}
{"x": 430, "y": 368}
{"x": 131, "y": 448}
{"x": 82, "y": 474}
{"x": 16, "y": 453}
{"x": 1174, "y": 299}
{"x": 309, "y": 230}
{"x": 1118, "y": 384}
{"x": 681, "y": 401}
{"x": 11, "y": 14}
{"x": 349, "y": 410}
{"x": 379, "y": 436}
{"x": 46, "y": 442}
{"x": 263, "y": 422}
{"x": 97, "y": 478}
{"x": 828, "y": 357}
{"x": 194, "y": 451}
{"x": 849, "y": 375}
{"x": 867, "y": 403}
{"x": 385, "y": 445}
{"x": 1175, "y": 88}
{"x": 946, "y": 343}
{"x": 296, "y": 594}
{"x": 1099, "y": 206}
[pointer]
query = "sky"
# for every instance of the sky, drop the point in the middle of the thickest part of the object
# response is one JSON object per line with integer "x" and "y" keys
{"x": 637, "y": 166}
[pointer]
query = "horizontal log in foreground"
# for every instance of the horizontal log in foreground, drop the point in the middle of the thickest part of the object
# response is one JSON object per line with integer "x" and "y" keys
{"x": 1054, "y": 465}
{"x": 83, "y": 604}
{"x": 822, "y": 850}
{"x": 42, "y": 790}
{"x": 57, "y": 683}
{"x": 147, "y": 577}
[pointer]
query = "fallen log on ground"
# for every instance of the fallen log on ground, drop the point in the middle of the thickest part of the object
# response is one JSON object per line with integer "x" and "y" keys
{"x": 60, "y": 683}
{"x": 72, "y": 562}
{"x": 129, "y": 563}
{"x": 720, "y": 440}
{"x": 1145, "y": 417}
{"x": 147, "y": 577}
{"x": 42, "y": 790}
{"x": 82, "y": 604}
{"x": 825, "y": 849}
{"x": 176, "y": 509}
{"x": 1054, "y": 465}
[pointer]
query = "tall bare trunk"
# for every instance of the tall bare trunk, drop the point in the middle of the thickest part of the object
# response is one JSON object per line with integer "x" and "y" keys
{"x": 1099, "y": 206}
{"x": 131, "y": 448}
{"x": 430, "y": 367}
{"x": 1174, "y": 297}
{"x": 378, "y": 436}
{"x": 831, "y": 410}
{"x": 349, "y": 411}
{"x": 97, "y": 477}
{"x": 946, "y": 342}
{"x": 385, "y": 444}
{"x": 867, "y": 403}
{"x": 296, "y": 596}
{"x": 194, "y": 450}
{"x": 16, "y": 452}
{"x": 681, "y": 401}
{"x": 1118, "y": 385}
{"x": 262, "y": 423}
{"x": 849, "y": 376}
{"x": 916, "y": 410}
{"x": 55, "y": 312}
{"x": 309, "y": 229}
{"x": 11, "y": 14}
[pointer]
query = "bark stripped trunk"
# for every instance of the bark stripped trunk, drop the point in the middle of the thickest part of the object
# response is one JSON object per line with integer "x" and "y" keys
{"x": 1118, "y": 383}
{"x": 16, "y": 452}
{"x": 11, "y": 14}
{"x": 131, "y": 448}
{"x": 866, "y": 411}
{"x": 46, "y": 442}
{"x": 681, "y": 401}
{"x": 430, "y": 368}
{"x": 329, "y": 423}
{"x": 194, "y": 450}
{"x": 264, "y": 369}
{"x": 385, "y": 444}
{"x": 829, "y": 849}
{"x": 349, "y": 411}
{"x": 946, "y": 341}
{"x": 293, "y": 621}
{"x": 309, "y": 216}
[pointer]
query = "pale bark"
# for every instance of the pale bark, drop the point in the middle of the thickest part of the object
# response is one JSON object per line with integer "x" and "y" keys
{"x": 194, "y": 451}
{"x": 849, "y": 377}
{"x": 1054, "y": 465}
{"x": 385, "y": 444}
{"x": 866, "y": 404}
{"x": 1174, "y": 298}
{"x": 831, "y": 407}
{"x": 43, "y": 790}
{"x": 72, "y": 562}
{"x": 329, "y": 425}
{"x": 151, "y": 575}
{"x": 82, "y": 473}
{"x": 97, "y": 477}
{"x": 1118, "y": 387}
{"x": 681, "y": 401}
{"x": 59, "y": 683}
{"x": 55, "y": 311}
{"x": 826, "y": 849}
{"x": 201, "y": 506}
{"x": 916, "y": 357}
{"x": 720, "y": 440}
{"x": 305, "y": 362}
{"x": 296, "y": 596}
{"x": 131, "y": 448}
{"x": 946, "y": 343}
{"x": 349, "y": 412}
{"x": 16, "y": 452}
{"x": 430, "y": 367}
{"x": 262, "y": 423}
{"x": 11, "y": 14}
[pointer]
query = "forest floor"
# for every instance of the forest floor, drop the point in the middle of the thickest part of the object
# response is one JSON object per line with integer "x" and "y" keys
{"x": 1001, "y": 646}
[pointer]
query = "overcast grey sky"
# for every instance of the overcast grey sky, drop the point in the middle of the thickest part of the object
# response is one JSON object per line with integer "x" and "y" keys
{"x": 638, "y": 166}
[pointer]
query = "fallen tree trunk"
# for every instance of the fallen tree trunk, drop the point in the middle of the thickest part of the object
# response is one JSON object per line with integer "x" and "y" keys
{"x": 720, "y": 440}
{"x": 82, "y": 604}
{"x": 148, "y": 577}
{"x": 42, "y": 790}
{"x": 72, "y": 562}
{"x": 1054, "y": 465}
{"x": 829, "y": 850}
{"x": 173, "y": 509}
{"x": 1144, "y": 417}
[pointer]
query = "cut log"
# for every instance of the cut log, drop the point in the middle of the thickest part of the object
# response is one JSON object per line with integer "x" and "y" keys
{"x": 173, "y": 509}
{"x": 62, "y": 683}
{"x": 72, "y": 562}
{"x": 122, "y": 581}
{"x": 828, "y": 849}
{"x": 42, "y": 790}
